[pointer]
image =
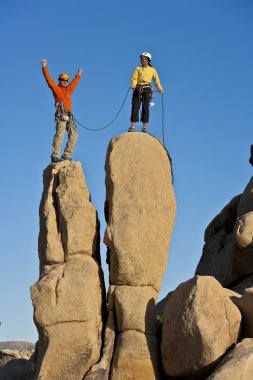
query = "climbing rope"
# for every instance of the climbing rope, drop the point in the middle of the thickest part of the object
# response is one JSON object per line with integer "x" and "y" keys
{"x": 107, "y": 125}
{"x": 115, "y": 117}
{"x": 167, "y": 152}
{"x": 117, "y": 114}
{"x": 162, "y": 119}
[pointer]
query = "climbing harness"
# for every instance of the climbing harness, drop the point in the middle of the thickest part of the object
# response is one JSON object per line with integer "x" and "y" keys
{"x": 61, "y": 114}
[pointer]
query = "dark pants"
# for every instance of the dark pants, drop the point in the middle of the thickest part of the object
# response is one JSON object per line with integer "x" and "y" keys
{"x": 141, "y": 97}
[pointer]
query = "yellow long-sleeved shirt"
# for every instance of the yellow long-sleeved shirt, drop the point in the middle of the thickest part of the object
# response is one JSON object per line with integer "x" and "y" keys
{"x": 143, "y": 75}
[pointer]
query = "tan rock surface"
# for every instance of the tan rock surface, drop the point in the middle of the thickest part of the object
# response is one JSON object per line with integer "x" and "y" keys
{"x": 243, "y": 235}
{"x": 67, "y": 351}
{"x": 68, "y": 220}
{"x": 101, "y": 370}
{"x": 237, "y": 364}
{"x": 244, "y": 230}
{"x": 217, "y": 255}
{"x": 225, "y": 220}
{"x": 141, "y": 209}
{"x": 135, "y": 308}
{"x": 136, "y": 357}
{"x": 228, "y": 252}
{"x": 245, "y": 304}
{"x": 16, "y": 365}
{"x": 69, "y": 292}
{"x": 68, "y": 298}
{"x": 245, "y": 204}
{"x": 200, "y": 324}
{"x": 217, "y": 258}
{"x": 16, "y": 354}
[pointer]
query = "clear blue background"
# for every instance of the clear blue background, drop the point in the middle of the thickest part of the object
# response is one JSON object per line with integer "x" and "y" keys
{"x": 202, "y": 50}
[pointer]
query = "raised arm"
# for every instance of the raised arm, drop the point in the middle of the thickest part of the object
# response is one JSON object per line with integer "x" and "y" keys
{"x": 75, "y": 81}
{"x": 47, "y": 76}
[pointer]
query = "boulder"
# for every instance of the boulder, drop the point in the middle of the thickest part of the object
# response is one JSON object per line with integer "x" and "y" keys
{"x": 228, "y": 250}
{"x": 69, "y": 292}
{"x": 68, "y": 220}
{"x": 101, "y": 370}
{"x": 159, "y": 308}
{"x": 237, "y": 364}
{"x": 141, "y": 209}
{"x": 7, "y": 355}
{"x": 225, "y": 220}
{"x": 16, "y": 364}
{"x": 217, "y": 258}
{"x": 200, "y": 323}
{"x": 68, "y": 299}
{"x": 67, "y": 350}
{"x": 243, "y": 249}
{"x": 135, "y": 308}
{"x": 13, "y": 369}
{"x": 245, "y": 304}
{"x": 136, "y": 357}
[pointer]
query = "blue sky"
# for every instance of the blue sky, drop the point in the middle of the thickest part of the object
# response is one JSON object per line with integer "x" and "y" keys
{"x": 202, "y": 50}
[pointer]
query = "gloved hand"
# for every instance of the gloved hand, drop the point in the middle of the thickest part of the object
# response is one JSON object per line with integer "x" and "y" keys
{"x": 44, "y": 62}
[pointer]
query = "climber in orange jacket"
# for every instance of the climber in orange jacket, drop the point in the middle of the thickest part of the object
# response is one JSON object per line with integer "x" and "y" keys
{"x": 63, "y": 116}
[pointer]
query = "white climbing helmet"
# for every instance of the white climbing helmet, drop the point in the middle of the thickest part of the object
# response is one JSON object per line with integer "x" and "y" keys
{"x": 146, "y": 54}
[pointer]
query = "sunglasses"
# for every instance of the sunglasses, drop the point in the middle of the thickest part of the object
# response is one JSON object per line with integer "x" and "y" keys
{"x": 64, "y": 80}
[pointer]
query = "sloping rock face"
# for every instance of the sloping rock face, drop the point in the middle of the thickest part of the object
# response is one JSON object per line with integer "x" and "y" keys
{"x": 16, "y": 365}
{"x": 228, "y": 251}
{"x": 68, "y": 298}
{"x": 245, "y": 304}
{"x": 140, "y": 212}
{"x": 243, "y": 285}
{"x": 200, "y": 324}
{"x": 238, "y": 363}
{"x": 141, "y": 209}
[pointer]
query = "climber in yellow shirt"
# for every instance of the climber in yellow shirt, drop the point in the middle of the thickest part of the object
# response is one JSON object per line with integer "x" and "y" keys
{"x": 141, "y": 83}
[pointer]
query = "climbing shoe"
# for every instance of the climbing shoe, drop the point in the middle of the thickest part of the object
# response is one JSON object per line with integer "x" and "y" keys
{"x": 64, "y": 158}
{"x": 132, "y": 129}
{"x": 144, "y": 130}
{"x": 54, "y": 159}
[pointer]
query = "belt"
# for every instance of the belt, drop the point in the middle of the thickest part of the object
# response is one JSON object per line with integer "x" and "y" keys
{"x": 143, "y": 85}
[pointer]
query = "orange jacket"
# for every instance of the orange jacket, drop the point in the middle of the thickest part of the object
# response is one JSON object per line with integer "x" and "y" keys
{"x": 61, "y": 93}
